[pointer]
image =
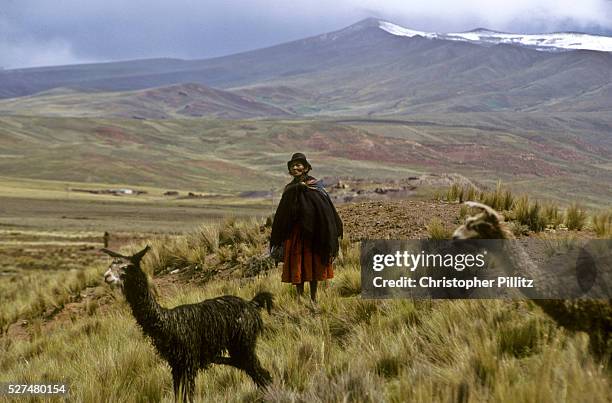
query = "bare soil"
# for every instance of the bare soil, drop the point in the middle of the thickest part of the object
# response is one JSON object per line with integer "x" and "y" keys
{"x": 402, "y": 219}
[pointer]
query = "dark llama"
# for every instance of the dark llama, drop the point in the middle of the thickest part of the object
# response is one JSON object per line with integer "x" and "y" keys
{"x": 190, "y": 337}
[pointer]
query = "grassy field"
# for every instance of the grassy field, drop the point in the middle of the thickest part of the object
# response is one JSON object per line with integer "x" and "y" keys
{"x": 59, "y": 322}
{"x": 346, "y": 349}
{"x": 560, "y": 157}
{"x": 53, "y": 206}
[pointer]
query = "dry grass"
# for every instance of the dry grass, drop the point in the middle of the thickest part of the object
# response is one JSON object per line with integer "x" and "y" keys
{"x": 602, "y": 224}
{"x": 437, "y": 230}
{"x": 526, "y": 214}
{"x": 529, "y": 214}
{"x": 575, "y": 217}
{"x": 349, "y": 349}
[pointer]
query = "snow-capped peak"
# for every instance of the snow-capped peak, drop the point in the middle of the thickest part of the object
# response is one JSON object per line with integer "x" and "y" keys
{"x": 552, "y": 41}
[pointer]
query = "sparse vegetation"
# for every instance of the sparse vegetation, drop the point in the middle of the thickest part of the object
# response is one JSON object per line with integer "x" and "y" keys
{"x": 602, "y": 224}
{"x": 454, "y": 193}
{"x": 500, "y": 199}
{"x": 556, "y": 244}
{"x": 27, "y": 293}
{"x": 575, "y": 217}
{"x": 529, "y": 214}
{"x": 232, "y": 243}
{"x": 463, "y": 212}
{"x": 437, "y": 230}
{"x": 526, "y": 215}
{"x": 552, "y": 215}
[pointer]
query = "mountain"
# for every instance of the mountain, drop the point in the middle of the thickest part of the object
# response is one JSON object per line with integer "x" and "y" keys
{"x": 361, "y": 101}
{"x": 546, "y": 42}
{"x": 361, "y": 70}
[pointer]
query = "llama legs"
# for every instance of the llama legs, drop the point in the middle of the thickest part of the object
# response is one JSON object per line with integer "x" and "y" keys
{"x": 245, "y": 359}
{"x": 184, "y": 384}
{"x": 259, "y": 374}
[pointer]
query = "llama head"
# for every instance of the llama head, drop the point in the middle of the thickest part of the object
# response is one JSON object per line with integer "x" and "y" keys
{"x": 120, "y": 264}
{"x": 487, "y": 224}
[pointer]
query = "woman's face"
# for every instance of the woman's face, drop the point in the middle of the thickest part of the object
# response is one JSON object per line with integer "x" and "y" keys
{"x": 297, "y": 169}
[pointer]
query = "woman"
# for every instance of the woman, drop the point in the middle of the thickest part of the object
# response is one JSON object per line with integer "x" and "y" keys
{"x": 306, "y": 229}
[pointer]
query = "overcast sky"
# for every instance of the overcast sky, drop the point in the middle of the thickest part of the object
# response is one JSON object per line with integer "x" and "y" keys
{"x": 53, "y": 32}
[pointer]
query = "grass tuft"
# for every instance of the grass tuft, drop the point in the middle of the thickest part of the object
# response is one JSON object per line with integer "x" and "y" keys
{"x": 602, "y": 224}
{"x": 437, "y": 230}
{"x": 575, "y": 217}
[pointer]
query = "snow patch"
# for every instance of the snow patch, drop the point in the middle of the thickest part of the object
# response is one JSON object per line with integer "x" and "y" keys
{"x": 545, "y": 42}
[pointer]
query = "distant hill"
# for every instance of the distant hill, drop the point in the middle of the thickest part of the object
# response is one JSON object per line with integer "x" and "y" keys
{"x": 180, "y": 100}
{"x": 566, "y": 157}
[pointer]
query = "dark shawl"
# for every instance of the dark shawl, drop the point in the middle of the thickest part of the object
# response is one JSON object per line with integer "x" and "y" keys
{"x": 310, "y": 207}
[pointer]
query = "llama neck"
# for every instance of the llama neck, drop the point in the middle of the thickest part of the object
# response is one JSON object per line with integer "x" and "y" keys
{"x": 519, "y": 259}
{"x": 522, "y": 265}
{"x": 145, "y": 308}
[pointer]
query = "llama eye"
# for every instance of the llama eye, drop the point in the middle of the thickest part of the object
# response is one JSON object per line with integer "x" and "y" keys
{"x": 483, "y": 225}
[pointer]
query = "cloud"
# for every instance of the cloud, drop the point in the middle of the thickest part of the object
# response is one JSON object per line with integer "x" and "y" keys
{"x": 42, "y": 32}
{"x": 26, "y": 53}
{"x": 528, "y": 15}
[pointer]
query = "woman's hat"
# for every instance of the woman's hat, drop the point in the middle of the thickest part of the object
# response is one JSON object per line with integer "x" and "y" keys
{"x": 298, "y": 157}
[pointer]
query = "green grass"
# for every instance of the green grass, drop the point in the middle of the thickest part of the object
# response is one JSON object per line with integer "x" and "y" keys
{"x": 353, "y": 349}
{"x": 350, "y": 349}
{"x": 30, "y": 294}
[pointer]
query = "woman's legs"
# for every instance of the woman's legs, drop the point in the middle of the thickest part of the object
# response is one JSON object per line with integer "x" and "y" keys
{"x": 313, "y": 290}
{"x": 300, "y": 289}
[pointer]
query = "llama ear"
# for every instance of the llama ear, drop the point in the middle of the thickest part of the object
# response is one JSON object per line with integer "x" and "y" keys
{"x": 138, "y": 256}
{"x": 112, "y": 254}
{"x": 492, "y": 215}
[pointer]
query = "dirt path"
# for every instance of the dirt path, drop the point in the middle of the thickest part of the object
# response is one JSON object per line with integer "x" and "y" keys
{"x": 403, "y": 219}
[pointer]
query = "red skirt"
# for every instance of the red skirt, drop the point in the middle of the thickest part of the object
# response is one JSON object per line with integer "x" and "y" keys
{"x": 300, "y": 263}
